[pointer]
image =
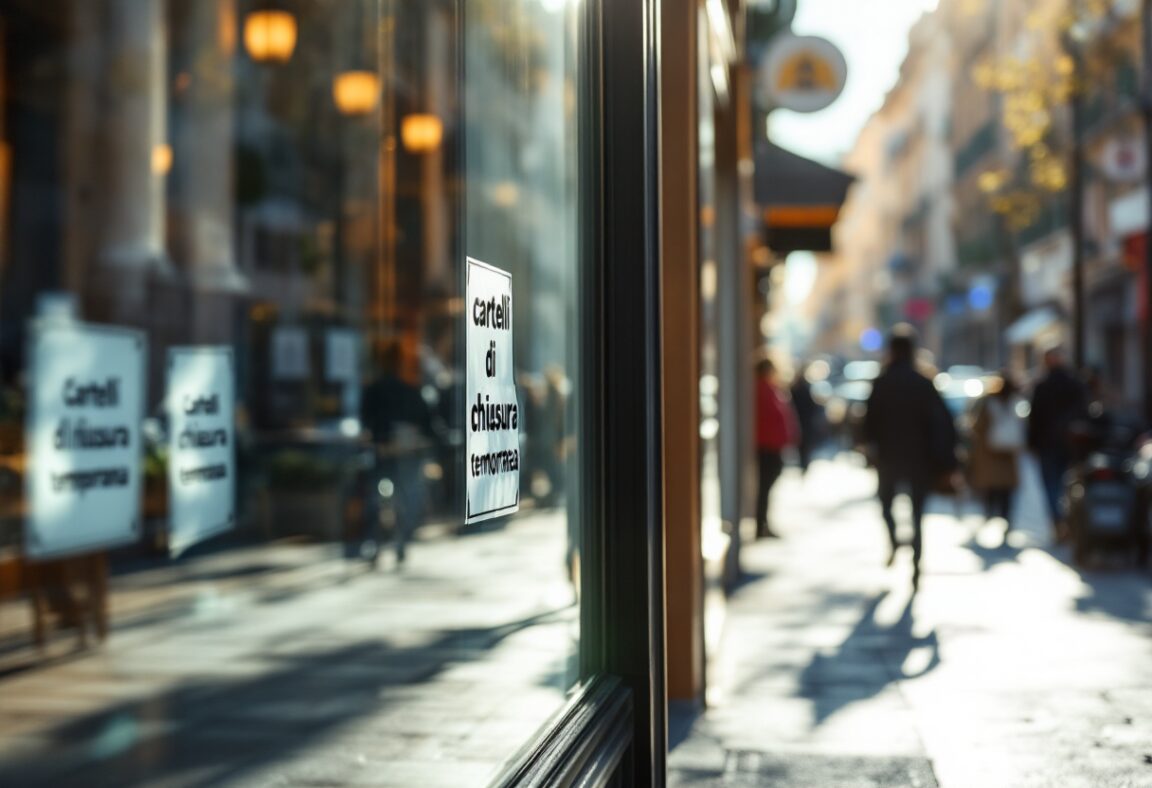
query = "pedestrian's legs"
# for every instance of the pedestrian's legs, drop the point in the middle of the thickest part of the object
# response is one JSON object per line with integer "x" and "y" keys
{"x": 804, "y": 450}
{"x": 761, "y": 492}
{"x": 771, "y": 464}
{"x": 409, "y": 498}
{"x": 362, "y": 538}
{"x": 1052, "y": 470}
{"x": 998, "y": 503}
{"x": 919, "y": 495}
{"x": 887, "y": 494}
{"x": 1008, "y": 497}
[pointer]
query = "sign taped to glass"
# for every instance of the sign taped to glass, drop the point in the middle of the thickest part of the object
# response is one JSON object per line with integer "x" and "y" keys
{"x": 83, "y": 433}
{"x": 492, "y": 411}
{"x": 201, "y": 452}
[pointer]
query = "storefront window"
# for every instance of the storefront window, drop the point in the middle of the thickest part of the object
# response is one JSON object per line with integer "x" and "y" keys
{"x": 238, "y": 538}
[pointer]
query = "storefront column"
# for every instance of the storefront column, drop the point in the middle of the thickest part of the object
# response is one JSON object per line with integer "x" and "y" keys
{"x": 680, "y": 356}
{"x": 735, "y": 358}
{"x": 203, "y": 146}
{"x": 434, "y": 196}
{"x": 134, "y": 157}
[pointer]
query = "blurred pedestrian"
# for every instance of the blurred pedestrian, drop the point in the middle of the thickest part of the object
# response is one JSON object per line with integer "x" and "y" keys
{"x": 909, "y": 436}
{"x": 808, "y": 419}
{"x": 998, "y": 436}
{"x": 775, "y": 431}
{"x": 553, "y": 431}
{"x": 395, "y": 414}
{"x": 1058, "y": 401}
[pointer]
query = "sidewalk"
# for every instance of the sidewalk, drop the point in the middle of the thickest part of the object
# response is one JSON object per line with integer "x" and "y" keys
{"x": 1009, "y": 668}
{"x": 284, "y": 664}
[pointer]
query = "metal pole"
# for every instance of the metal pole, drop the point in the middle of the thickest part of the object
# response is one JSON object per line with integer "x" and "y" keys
{"x": 1076, "y": 208}
{"x": 1146, "y": 46}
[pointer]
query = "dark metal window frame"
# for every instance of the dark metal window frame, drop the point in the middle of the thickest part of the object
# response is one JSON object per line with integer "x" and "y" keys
{"x": 613, "y": 731}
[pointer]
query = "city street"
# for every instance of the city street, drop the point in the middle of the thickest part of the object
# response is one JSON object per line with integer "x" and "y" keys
{"x": 1008, "y": 668}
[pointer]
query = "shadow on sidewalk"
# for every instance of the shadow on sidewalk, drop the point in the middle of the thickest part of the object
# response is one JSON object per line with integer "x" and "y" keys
{"x": 991, "y": 557}
{"x": 1123, "y": 595}
{"x": 870, "y": 659}
{"x": 211, "y": 731}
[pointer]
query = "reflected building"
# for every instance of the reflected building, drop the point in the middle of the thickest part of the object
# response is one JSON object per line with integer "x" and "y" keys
{"x": 280, "y": 197}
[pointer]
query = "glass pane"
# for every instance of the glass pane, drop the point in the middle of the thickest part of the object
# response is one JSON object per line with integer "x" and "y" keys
{"x": 239, "y": 443}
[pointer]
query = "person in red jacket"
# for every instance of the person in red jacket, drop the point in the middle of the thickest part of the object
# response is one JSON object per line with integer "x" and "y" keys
{"x": 775, "y": 430}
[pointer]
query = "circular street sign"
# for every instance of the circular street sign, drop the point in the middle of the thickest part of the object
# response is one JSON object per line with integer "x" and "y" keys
{"x": 1123, "y": 159}
{"x": 801, "y": 73}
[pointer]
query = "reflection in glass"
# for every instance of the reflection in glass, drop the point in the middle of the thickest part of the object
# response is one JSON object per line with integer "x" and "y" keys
{"x": 278, "y": 199}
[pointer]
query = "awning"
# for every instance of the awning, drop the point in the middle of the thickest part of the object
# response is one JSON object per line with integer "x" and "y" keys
{"x": 1029, "y": 326}
{"x": 800, "y": 199}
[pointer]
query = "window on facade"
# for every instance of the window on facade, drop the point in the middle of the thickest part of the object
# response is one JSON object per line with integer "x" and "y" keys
{"x": 235, "y": 414}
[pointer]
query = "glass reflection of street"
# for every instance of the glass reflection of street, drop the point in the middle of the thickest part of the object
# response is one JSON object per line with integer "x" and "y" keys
{"x": 283, "y": 662}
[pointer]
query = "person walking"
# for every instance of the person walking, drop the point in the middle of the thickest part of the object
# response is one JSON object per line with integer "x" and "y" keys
{"x": 998, "y": 437}
{"x": 909, "y": 436}
{"x": 808, "y": 414}
{"x": 1058, "y": 401}
{"x": 775, "y": 431}
{"x": 399, "y": 423}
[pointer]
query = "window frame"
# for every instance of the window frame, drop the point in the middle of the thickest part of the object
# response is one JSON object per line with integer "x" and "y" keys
{"x": 614, "y": 729}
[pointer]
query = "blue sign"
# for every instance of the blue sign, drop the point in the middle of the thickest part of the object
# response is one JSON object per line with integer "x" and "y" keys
{"x": 980, "y": 297}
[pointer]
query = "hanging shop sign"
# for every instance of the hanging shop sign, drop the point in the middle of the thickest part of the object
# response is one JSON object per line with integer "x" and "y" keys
{"x": 492, "y": 412}
{"x": 801, "y": 73}
{"x": 201, "y": 405}
{"x": 85, "y": 407}
{"x": 1124, "y": 159}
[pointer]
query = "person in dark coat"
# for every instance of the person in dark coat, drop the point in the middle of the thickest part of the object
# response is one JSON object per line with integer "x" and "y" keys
{"x": 808, "y": 414}
{"x": 775, "y": 431}
{"x": 399, "y": 421}
{"x": 1058, "y": 401}
{"x": 909, "y": 436}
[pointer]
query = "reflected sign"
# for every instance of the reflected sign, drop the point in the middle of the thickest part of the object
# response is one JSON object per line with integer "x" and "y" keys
{"x": 83, "y": 434}
{"x": 201, "y": 454}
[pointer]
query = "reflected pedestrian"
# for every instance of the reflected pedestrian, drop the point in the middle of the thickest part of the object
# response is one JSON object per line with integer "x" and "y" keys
{"x": 808, "y": 419}
{"x": 909, "y": 436}
{"x": 998, "y": 436}
{"x": 775, "y": 431}
{"x": 400, "y": 422}
{"x": 1058, "y": 401}
{"x": 553, "y": 432}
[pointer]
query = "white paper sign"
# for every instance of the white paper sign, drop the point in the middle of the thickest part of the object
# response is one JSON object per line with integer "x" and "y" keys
{"x": 290, "y": 357}
{"x": 201, "y": 406}
{"x": 492, "y": 412}
{"x": 340, "y": 347}
{"x": 86, "y": 392}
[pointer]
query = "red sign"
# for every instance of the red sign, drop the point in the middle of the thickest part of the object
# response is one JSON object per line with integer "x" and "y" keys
{"x": 919, "y": 309}
{"x": 1136, "y": 261}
